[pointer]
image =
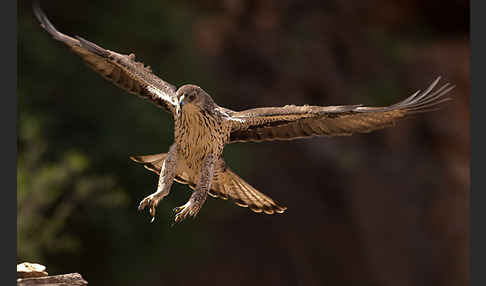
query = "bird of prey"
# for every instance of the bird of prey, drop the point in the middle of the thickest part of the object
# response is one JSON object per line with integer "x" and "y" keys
{"x": 202, "y": 128}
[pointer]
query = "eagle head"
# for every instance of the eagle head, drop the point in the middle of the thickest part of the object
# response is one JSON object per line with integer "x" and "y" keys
{"x": 192, "y": 97}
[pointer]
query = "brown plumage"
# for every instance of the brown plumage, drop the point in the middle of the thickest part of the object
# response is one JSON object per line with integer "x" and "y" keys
{"x": 225, "y": 184}
{"x": 202, "y": 128}
{"x": 293, "y": 122}
{"x": 121, "y": 70}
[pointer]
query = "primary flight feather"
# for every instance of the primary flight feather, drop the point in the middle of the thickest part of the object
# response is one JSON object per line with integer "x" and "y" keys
{"x": 202, "y": 128}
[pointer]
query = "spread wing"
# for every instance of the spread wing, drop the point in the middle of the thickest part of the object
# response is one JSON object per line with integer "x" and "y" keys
{"x": 293, "y": 122}
{"x": 120, "y": 69}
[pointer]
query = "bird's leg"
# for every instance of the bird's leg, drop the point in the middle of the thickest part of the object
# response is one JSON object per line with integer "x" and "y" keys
{"x": 166, "y": 178}
{"x": 197, "y": 199}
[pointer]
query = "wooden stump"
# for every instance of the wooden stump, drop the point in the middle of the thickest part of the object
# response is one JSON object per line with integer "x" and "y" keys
{"x": 35, "y": 274}
{"x": 74, "y": 279}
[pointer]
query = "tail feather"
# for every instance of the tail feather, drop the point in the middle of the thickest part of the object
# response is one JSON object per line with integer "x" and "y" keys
{"x": 151, "y": 162}
{"x": 225, "y": 184}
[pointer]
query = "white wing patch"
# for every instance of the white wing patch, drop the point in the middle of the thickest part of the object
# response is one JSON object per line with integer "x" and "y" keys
{"x": 229, "y": 117}
{"x": 164, "y": 96}
{"x": 235, "y": 119}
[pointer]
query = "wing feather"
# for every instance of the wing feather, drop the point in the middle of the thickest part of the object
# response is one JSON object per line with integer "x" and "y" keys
{"x": 122, "y": 70}
{"x": 293, "y": 122}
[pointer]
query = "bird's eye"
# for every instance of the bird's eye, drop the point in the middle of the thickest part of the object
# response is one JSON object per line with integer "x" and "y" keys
{"x": 191, "y": 96}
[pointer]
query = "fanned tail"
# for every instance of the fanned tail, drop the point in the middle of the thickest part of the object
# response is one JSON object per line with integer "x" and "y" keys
{"x": 226, "y": 184}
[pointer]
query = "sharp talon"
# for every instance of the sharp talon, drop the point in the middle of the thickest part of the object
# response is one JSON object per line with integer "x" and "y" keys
{"x": 150, "y": 202}
{"x": 152, "y": 211}
{"x": 152, "y": 220}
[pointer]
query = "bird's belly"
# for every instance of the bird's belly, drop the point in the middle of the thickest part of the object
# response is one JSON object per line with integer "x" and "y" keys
{"x": 196, "y": 143}
{"x": 197, "y": 136}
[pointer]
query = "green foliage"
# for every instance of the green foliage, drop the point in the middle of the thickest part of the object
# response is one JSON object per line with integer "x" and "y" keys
{"x": 49, "y": 192}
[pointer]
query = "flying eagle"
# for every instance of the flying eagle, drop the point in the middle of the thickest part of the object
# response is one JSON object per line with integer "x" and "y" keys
{"x": 202, "y": 128}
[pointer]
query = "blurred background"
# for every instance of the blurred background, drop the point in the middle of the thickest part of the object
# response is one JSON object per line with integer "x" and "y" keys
{"x": 385, "y": 208}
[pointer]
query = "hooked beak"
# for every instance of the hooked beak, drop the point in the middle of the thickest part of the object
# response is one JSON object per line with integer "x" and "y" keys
{"x": 181, "y": 103}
